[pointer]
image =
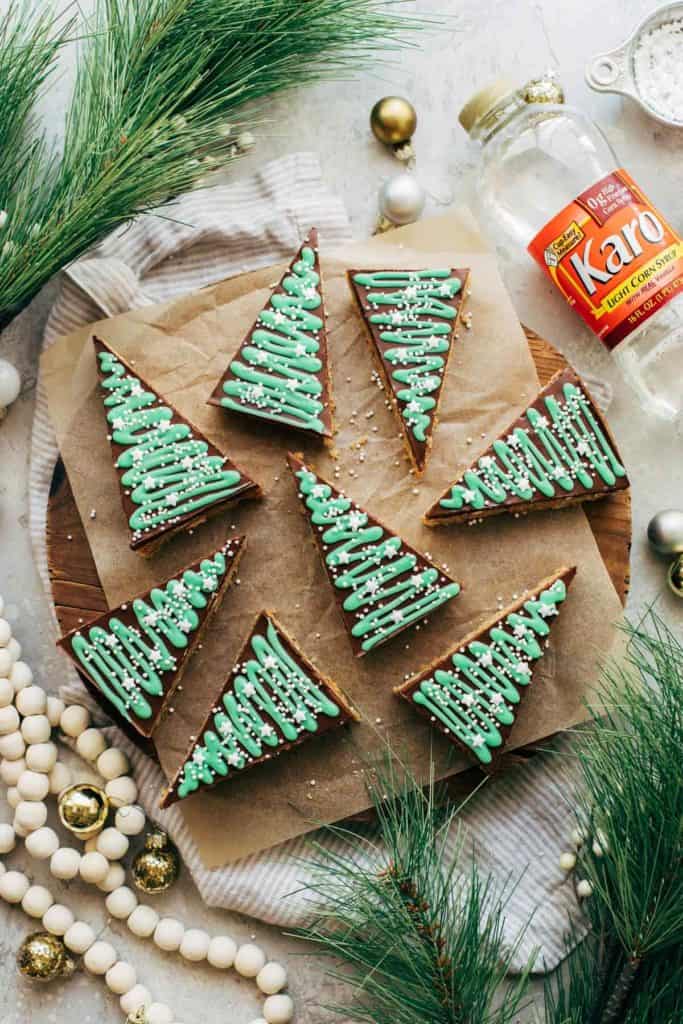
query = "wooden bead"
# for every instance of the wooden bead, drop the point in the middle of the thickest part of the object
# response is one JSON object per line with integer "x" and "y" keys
{"x": 112, "y": 844}
{"x": 13, "y": 797}
{"x": 90, "y": 744}
{"x": 64, "y": 863}
{"x": 113, "y": 879}
{"x": 6, "y": 688}
{"x": 278, "y": 1009}
{"x": 14, "y": 648}
{"x": 31, "y": 814}
{"x": 13, "y": 886}
{"x": 5, "y": 632}
{"x": 37, "y": 901}
{"x": 33, "y": 785}
{"x": 59, "y": 778}
{"x": 130, "y": 819}
{"x": 42, "y": 843}
{"x": 143, "y": 921}
{"x": 93, "y": 867}
{"x": 54, "y": 709}
{"x": 100, "y": 957}
{"x": 249, "y": 960}
{"x": 121, "y": 791}
{"x": 195, "y": 945}
{"x": 12, "y": 746}
{"x": 121, "y": 903}
{"x": 121, "y": 977}
{"x": 222, "y": 950}
{"x": 75, "y": 720}
{"x": 11, "y": 771}
{"x": 8, "y": 838}
{"x": 9, "y": 720}
{"x": 58, "y": 919}
{"x": 79, "y": 937}
{"x": 168, "y": 934}
{"x": 32, "y": 700}
{"x": 20, "y": 676}
{"x": 112, "y": 763}
{"x": 41, "y": 757}
{"x": 36, "y": 729}
{"x": 133, "y": 1000}
{"x": 271, "y": 978}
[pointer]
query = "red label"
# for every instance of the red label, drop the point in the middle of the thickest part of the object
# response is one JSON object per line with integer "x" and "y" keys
{"x": 613, "y": 256}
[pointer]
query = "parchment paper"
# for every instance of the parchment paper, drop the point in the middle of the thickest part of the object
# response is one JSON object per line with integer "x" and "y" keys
{"x": 182, "y": 349}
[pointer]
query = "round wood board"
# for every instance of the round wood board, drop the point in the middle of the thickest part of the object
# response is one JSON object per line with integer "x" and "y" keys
{"x": 78, "y": 594}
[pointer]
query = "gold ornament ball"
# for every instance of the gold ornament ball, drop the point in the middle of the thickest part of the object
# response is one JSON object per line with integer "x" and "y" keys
{"x": 138, "y": 1016}
{"x": 545, "y": 89}
{"x": 83, "y": 809}
{"x": 43, "y": 957}
{"x": 157, "y": 865}
{"x": 393, "y": 120}
{"x": 675, "y": 576}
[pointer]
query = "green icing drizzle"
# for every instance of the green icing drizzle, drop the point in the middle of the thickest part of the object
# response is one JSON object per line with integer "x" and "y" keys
{"x": 168, "y": 471}
{"x": 271, "y": 701}
{"x": 128, "y": 663}
{"x": 477, "y": 697}
{"x": 388, "y": 587}
{"x": 566, "y": 447}
{"x": 420, "y": 326}
{"x": 277, "y": 372}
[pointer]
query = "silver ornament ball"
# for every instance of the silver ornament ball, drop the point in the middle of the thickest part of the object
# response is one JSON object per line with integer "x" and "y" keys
{"x": 665, "y": 532}
{"x": 402, "y": 198}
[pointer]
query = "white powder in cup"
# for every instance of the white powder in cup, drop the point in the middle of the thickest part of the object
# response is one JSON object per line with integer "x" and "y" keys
{"x": 658, "y": 67}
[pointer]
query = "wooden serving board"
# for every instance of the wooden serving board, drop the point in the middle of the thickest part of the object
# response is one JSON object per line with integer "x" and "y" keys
{"x": 78, "y": 595}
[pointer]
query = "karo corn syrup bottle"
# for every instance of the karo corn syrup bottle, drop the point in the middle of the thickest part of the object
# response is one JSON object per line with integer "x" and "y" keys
{"x": 549, "y": 182}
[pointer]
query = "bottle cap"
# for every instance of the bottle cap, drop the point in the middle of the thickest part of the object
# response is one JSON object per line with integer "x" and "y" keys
{"x": 485, "y": 100}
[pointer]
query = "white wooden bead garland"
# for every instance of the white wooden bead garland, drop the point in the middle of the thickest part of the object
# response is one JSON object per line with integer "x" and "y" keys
{"x": 30, "y": 768}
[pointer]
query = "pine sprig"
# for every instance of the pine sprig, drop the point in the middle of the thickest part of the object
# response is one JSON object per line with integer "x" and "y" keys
{"x": 423, "y": 943}
{"x": 630, "y": 808}
{"x": 160, "y": 86}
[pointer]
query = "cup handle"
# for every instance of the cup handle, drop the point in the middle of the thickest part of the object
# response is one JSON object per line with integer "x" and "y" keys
{"x": 608, "y": 72}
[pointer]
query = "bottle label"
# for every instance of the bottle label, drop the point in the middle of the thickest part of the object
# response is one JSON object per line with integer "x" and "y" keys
{"x": 613, "y": 256}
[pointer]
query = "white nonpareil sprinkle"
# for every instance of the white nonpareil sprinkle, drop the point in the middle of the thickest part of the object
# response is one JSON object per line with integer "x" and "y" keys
{"x": 658, "y": 64}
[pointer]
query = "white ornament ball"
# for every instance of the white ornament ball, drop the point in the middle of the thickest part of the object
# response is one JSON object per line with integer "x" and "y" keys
{"x": 37, "y": 901}
{"x": 99, "y": 957}
{"x": 159, "y": 1013}
{"x": 54, "y": 710}
{"x": 7, "y": 838}
{"x": 33, "y": 785}
{"x": 93, "y": 867}
{"x": 143, "y": 921}
{"x": 6, "y": 688}
{"x": 75, "y": 720}
{"x": 31, "y": 814}
{"x": 13, "y": 797}
{"x": 64, "y": 863}
{"x": 249, "y": 960}
{"x": 5, "y": 632}
{"x": 278, "y": 1009}
{"x": 222, "y": 951}
{"x": 10, "y": 384}
{"x": 112, "y": 763}
{"x": 36, "y": 728}
{"x": 402, "y": 198}
{"x": 32, "y": 700}
{"x": 584, "y": 889}
{"x": 12, "y": 746}
{"x": 79, "y": 937}
{"x": 272, "y": 978}
{"x": 568, "y": 861}
{"x": 130, "y": 820}
{"x": 112, "y": 844}
{"x": 114, "y": 878}
{"x": 121, "y": 977}
{"x": 20, "y": 676}
{"x": 41, "y": 757}
{"x": 9, "y": 720}
{"x": 121, "y": 791}
{"x": 195, "y": 945}
{"x": 11, "y": 771}
{"x": 90, "y": 744}
{"x": 138, "y": 996}
{"x": 121, "y": 903}
{"x": 13, "y": 886}
{"x": 169, "y": 933}
{"x": 59, "y": 778}
{"x": 58, "y": 919}
{"x": 42, "y": 843}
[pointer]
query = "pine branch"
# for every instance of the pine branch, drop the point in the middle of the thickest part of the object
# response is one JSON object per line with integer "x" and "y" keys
{"x": 630, "y": 807}
{"x": 159, "y": 88}
{"x": 422, "y": 943}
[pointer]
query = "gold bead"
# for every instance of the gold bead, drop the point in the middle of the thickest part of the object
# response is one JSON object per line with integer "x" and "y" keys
{"x": 83, "y": 809}
{"x": 675, "y": 576}
{"x": 138, "y": 1016}
{"x": 43, "y": 957}
{"x": 545, "y": 89}
{"x": 157, "y": 866}
{"x": 393, "y": 120}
